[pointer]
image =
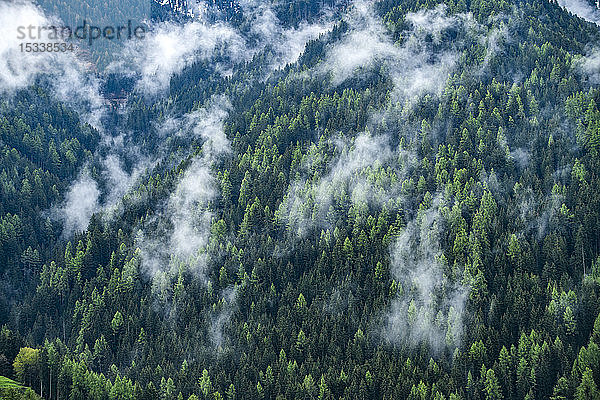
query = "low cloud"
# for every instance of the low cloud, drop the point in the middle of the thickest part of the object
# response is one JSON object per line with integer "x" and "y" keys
{"x": 521, "y": 157}
{"x": 176, "y": 239}
{"x": 19, "y": 69}
{"x": 538, "y": 214}
{"x": 221, "y": 318}
{"x": 582, "y": 9}
{"x": 101, "y": 195}
{"x": 589, "y": 65}
{"x": 287, "y": 44}
{"x": 118, "y": 180}
{"x": 429, "y": 307}
{"x": 310, "y": 201}
{"x": 63, "y": 72}
{"x": 171, "y": 47}
{"x": 419, "y": 64}
{"x": 81, "y": 202}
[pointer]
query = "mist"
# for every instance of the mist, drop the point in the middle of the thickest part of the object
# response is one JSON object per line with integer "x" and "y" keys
{"x": 175, "y": 240}
{"x": 539, "y": 214}
{"x": 19, "y": 69}
{"x": 418, "y": 65}
{"x": 589, "y": 65}
{"x": 171, "y": 47}
{"x": 286, "y": 43}
{"x": 582, "y": 9}
{"x": 310, "y": 200}
{"x": 64, "y": 74}
{"x": 81, "y": 202}
{"x": 429, "y": 306}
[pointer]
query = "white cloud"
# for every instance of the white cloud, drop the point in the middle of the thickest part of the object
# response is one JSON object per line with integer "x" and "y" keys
{"x": 311, "y": 199}
{"x": 81, "y": 202}
{"x": 582, "y": 9}
{"x": 414, "y": 66}
{"x": 429, "y": 307}
{"x": 169, "y": 48}
{"x": 178, "y": 236}
{"x": 65, "y": 73}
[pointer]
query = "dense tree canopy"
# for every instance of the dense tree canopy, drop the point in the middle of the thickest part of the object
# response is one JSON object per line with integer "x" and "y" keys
{"x": 335, "y": 206}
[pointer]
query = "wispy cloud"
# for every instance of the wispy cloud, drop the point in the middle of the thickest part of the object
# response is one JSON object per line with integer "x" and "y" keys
{"x": 178, "y": 236}
{"x": 429, "y": 307}
{"x": 81, "y": 202}
{"x": 582, "y": 9}
{"x": 287, "y": 43}
{"x": 418, "y": 64}
{"x": 63, "y": 72}
{"x": 310, "y": 200}
{"x": 171, "y": 47}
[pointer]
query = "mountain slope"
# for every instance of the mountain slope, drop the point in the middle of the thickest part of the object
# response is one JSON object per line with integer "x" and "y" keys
{"x": 409, "y": 210}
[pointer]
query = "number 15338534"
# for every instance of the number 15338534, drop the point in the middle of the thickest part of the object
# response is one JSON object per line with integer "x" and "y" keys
{"x": 54, "y": 47}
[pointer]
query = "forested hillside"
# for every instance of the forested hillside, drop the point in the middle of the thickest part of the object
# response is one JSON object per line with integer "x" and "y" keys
{"x": 308, "y": 200}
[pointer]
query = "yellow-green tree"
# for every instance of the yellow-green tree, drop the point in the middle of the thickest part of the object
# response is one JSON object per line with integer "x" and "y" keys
{"x": 26, "y": 364}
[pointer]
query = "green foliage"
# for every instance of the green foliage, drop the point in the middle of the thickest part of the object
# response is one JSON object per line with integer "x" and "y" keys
{"x": 299, "y": 275}
{"x": 6, "y": 383}
{"x": 11, "y": 390}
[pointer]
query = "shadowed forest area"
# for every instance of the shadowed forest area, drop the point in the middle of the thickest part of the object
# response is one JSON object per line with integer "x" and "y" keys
{"x": 304, "y": 200}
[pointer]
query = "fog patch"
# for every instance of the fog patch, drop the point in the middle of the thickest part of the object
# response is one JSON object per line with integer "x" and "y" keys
{"x": 287, "y": 44}
{"x": 429, "y": 306}
{"x": 540, "y": 214}
{"x": 171, "y": 47}
{"x": 521, "y": 157}
{"x": 221, "y": 318}
{"x": 174, "y": 242}
{"x": 418, "y": 65}
{"x": 589, "y": 66}
{"x": 347, "y": 178}
{"x": 81, "y": 202}
{"x": 63, "y": 72}
{"x": 582, "y": 9}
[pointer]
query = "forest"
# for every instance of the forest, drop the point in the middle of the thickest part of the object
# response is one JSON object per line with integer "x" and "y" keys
{"x": 392, "y": 199}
